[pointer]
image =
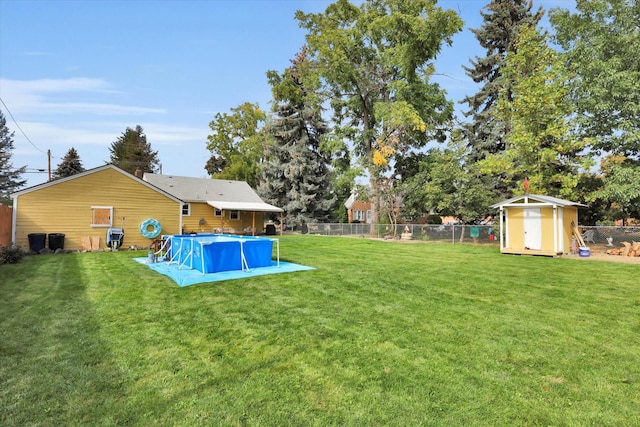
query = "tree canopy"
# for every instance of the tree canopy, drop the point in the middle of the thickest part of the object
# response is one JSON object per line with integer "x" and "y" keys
{"x": 237, "y": 144}
{"x": 296, "y": 170}
{"x": 375, "y": 62}
{"x": 601, "y": 41}
{"x": 131, "y": 151}
{"x": 10, "y": 177}
{"x": 539, "y": 145}
{"x": 70, "y": 165}
{"x": 502, "y": 21}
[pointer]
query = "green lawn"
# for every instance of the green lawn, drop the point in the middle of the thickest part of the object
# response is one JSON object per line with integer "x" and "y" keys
{"x": 381, "y": 333}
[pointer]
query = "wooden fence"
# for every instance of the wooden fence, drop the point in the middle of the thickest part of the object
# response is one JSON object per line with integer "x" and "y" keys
{"x": 5, "y": 225}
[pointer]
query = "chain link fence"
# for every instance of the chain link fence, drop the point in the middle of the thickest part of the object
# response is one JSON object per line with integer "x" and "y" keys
{"x": 465, "y": 233}
{"x": 609, "y": 235}
{"x": 436, "y": 233}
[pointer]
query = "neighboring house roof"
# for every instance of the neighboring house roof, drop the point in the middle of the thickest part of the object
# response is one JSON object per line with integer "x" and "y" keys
{"x": 535, "y": 200}
{"x": 92, "y": 171}
{"x": 350, "y": 201}
{"x": 222, "y": 194}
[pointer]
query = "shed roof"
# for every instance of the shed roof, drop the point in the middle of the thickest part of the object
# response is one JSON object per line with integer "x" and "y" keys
{"x": 535, "y": 200}
{"x": 222, "y": 194}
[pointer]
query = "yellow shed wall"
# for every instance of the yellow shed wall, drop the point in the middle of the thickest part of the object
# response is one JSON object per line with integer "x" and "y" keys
{"x": 67, "y": 208}
{"x": 570, "y": 216}
{"x": 515, "y": 220}
{"x": 214, "y": 224}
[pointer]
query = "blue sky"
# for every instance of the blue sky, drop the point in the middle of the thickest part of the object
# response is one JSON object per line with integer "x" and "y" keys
{"x": 78, "y": 73}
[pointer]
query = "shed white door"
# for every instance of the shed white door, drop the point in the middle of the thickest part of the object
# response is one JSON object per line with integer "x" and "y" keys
{"x": 532, "y": 229}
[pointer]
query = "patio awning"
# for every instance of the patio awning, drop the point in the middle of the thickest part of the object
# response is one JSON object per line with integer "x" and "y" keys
{"x": 244, "y": 206}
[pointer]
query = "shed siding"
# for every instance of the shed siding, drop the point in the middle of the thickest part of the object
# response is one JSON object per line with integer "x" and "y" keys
{"x": 67, "y": 208}
{"x": 547, "y": 228}
{"x": 516, "y": 228}
{"x": 213, "y": 224}
{"x": 570, "y": 215}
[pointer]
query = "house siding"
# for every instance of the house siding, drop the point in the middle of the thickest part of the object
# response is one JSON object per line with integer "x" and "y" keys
{"x": 213, "y": 224}
{"x": 66, "y": 208}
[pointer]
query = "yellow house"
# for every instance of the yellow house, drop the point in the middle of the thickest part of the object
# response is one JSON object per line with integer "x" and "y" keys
{"x": 215, "y": 205}
{"x": 88, "y": 204}
{"x": 532, "y": 224}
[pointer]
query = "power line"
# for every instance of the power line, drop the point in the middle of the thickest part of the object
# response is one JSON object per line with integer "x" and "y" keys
{"x": 18, "y": 126}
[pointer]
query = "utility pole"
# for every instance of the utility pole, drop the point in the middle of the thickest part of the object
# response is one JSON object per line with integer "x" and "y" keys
{"x": 49, "y": 163}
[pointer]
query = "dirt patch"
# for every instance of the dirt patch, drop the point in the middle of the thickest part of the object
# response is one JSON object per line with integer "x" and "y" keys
{"x": 598, "y": 253}
{"x": 601, "y": 255}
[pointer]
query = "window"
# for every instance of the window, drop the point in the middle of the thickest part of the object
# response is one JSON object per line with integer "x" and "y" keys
{"x": 101, "y": 216}
{"x": 234, "y": 215}
{"x": 186, "y": 209}
{"x": 358, "y": 215}
{"x": 217, "y": 213}
{"x": 368, "y": 216}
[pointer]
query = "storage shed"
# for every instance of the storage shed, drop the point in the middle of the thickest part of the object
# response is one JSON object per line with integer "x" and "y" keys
{"x": 533, "y": 224}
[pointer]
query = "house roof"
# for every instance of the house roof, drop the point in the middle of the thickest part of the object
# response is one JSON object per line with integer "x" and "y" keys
{"x": 92, "y": 171}
{"x": 535, "y": 200}
{"x": 350, "y": 201}
{"x": 222, "y": 194}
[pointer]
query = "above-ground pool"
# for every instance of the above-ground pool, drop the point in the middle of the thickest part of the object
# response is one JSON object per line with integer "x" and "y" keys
{"x": 212, "y": 253}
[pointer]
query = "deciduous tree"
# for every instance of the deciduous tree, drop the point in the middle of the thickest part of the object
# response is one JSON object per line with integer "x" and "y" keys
{"x": 540, "y": 144}
{"x": 375, "y": 61}
{"x": 237, "y": 144}
{"x": 602, "y": 40}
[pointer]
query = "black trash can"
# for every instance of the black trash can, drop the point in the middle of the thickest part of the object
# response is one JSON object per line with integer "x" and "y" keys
{"x": 37, "y": 242}
{"x": 56, "y": 241}
{"x": 270, "y": 230}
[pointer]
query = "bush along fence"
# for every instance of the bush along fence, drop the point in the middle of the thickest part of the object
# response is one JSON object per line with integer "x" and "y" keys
{"x": 438, "y": 233}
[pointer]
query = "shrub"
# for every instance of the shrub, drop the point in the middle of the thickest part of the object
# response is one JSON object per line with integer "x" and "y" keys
{"x": 434, "y": 219}
{"x": 11, "y": 254}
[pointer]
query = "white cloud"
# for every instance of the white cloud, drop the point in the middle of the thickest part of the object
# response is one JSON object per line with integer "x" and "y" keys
{"x": 34, "y": 97}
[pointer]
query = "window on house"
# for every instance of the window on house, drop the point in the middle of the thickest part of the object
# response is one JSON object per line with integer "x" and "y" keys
{"x": 358, "y": 215}
{"x": 368, "y": 216}
{"x": 217, "y": 213}
{"x": 186, "y": 209}
{"x": 234, "y": 215}
{"x": 101, "y": 216}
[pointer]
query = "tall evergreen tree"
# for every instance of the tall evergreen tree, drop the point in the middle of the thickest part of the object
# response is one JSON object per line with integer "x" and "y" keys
{"x": 70, "y": 165}
{"x": 10, "y": 178}
{"x": 296, "y": 174}
{"x": 131, "y": 151}
{"x": 502, "y": 22}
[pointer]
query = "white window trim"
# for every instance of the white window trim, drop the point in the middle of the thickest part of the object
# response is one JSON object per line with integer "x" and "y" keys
{"x": 188, "y": 205}
{"x": 233, "y": 213}
{"x": 93, "y": 210}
